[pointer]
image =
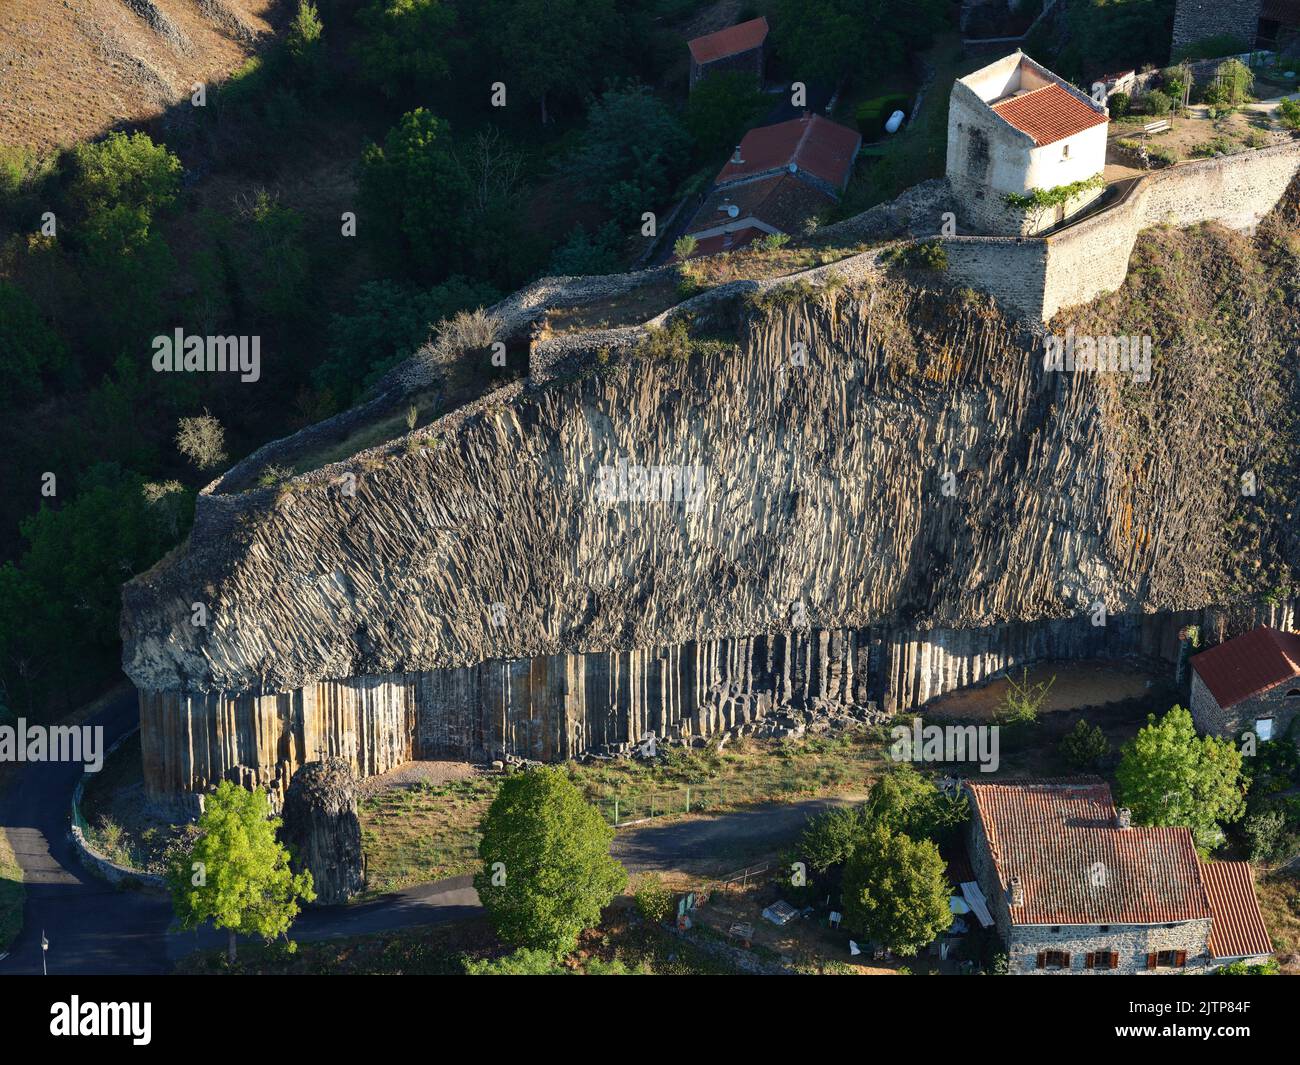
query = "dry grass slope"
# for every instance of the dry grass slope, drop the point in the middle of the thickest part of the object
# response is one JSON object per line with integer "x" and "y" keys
{"x": 70, "y": 69}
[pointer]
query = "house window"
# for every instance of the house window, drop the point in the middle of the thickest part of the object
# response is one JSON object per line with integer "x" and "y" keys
{"x": 1101, "y": 959}
{"x": 1167, "y": 959}
{"x": 1053, "y": 959}
{"x": 1264, "y": 728}
{"x": 1103, "y": 928}
{"x": 1065, "y": 151}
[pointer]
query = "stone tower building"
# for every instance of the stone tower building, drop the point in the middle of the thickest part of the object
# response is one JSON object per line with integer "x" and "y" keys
{"x": 1015, "y": 127}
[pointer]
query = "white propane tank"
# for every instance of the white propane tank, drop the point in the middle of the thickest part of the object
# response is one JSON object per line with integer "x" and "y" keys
{"x": 895, "y": 121}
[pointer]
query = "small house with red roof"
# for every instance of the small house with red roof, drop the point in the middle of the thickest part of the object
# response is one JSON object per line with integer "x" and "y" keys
{"x": 778, "y": 177}
{"x": 1075, "y": 887}
{"x": 1015, "y": 128}
{"x": 1248, "y": 684}
{"x": 736, "y": 48}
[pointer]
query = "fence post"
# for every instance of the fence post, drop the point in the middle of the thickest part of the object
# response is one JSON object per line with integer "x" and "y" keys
{"x": 616, "y": 811}
{"x": 688, "y": 800}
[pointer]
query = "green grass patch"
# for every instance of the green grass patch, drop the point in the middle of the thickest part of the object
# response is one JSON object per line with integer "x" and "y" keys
{"x": 12, "y": 894}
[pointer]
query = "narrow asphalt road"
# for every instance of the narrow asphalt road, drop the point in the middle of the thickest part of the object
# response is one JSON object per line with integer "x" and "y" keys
{"x": 96, "y": 929}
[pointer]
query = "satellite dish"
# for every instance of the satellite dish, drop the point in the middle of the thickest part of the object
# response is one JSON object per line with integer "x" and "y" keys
{"x": 732, "y": 210}
{"x": 793, "y": 168}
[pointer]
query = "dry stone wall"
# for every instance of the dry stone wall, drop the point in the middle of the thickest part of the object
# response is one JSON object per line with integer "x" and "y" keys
{"x": 1041, "y": 276}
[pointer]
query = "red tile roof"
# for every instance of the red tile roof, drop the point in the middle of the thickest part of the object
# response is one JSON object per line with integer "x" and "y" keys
{"x": 1049, "y": 114}
{"x": 1077, "y": 867}
{"x": 1238, "y": 930}
{"x": 815, "y": 144}
{"x": 1248, "y": 665}
{"x": 731, "y": 41}
{"x": 737, "y": 238}
{"x": 781, "y": 200}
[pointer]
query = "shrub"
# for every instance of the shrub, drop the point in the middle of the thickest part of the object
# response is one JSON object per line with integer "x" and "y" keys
{"x": 684, "y": 247}
{"x": 1085, "y": 747}
{"x": 1119, "y": 103}
{"x": 654, "y": 901}
{"x": 1265, "y": 834}
{"x": 772, "y": 242}
{"x": 871, "y": 115}
{"x": 202, "y": 440}
{"x": 1288, "y": 113}
{"x": 1157, "y": 103}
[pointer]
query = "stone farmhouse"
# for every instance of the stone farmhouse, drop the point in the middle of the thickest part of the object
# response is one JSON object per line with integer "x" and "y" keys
{"x": 1015, "y": 127}
{"x": 1074, "y": 887}
{"x": 778, "y": 176}
{"x": 1248, "y": 684}
{"x": 1256, "y": 24}
{"x": 736, "y": 48}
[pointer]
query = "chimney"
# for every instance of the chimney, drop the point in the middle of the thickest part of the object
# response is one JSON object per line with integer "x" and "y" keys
{"x": 1016, "y": 892}
{"x": 1123, "y": 817}
{"x": 735, "y": 156}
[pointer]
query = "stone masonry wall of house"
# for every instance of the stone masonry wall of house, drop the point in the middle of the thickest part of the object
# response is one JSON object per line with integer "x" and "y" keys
{"x": 1084, "y": 261}
{"x": 1131, "y": 942}
{"x": 1195, "y": 20}
{"x": 1276, "y": 704}
{"x": 750, "y": 62}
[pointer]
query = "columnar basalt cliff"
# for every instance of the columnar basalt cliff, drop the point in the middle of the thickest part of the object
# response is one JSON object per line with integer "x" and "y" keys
{"x": 912, "y": 506}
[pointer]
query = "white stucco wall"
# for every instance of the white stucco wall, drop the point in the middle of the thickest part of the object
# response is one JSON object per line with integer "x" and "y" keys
{"x": 1050, "y": 165}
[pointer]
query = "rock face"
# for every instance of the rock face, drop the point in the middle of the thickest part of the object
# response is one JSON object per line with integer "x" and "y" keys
{"x": 876, "y": 493}
{"x": 322, "y": 832}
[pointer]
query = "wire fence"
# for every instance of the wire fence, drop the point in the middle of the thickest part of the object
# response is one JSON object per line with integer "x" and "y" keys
{"x": 627, "y": 808}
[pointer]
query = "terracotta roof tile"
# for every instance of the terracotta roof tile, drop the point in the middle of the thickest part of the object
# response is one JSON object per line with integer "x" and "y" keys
{"x": 823, "y": 148}
{"x": 1248, "y": 665}
{"x": 731, "y": 41}
{"x": 1049, "y": 114}
{"x": 1238, "y": 930}
{"x": 1077, "y": 867}
{"x": 782, "y": 201}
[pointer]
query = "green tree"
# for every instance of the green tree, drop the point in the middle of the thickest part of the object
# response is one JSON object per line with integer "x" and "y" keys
{"x": 1167, "y": 776}
{"x": 826, "y": 40}
{"x": 32, "y": 355}
{"x": 547, "y": 872}
{"x": 275, "y": 266}
{"x": 62, "y": 600}
{"x": 386, "y": 324}
{"x": 633, "y": 150}
{"x": 305, "y": 43}
{"x": 414, "y": 191}
{"x": 583, "y": 253}
{"x": 237, "y": 873}
{"x": 720, "y": 109}
{"x": 406, "y": 45}
{"x": 1085, "y": 747}
{"x": 830, "y": 838}
{"x": 895, "y": 891}
{"x": 553, "y": 49}
{"x": 124, "y": 170}
{"x": 902, "y": 800}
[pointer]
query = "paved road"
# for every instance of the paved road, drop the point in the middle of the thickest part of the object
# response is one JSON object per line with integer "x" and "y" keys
{"x": 94, "y": 928}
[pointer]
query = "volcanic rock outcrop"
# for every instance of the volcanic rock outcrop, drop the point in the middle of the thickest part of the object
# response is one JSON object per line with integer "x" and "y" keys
{"x": 322, "y": 831}
{"x": 874, "y": 494}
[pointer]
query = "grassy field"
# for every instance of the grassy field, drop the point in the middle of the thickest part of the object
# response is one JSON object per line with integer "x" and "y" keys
{"x": 444, "y": 950}
{"x": 430, "y": 831}
{"x": 1279, "y": 901}
{"x": 12, "y": 894}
